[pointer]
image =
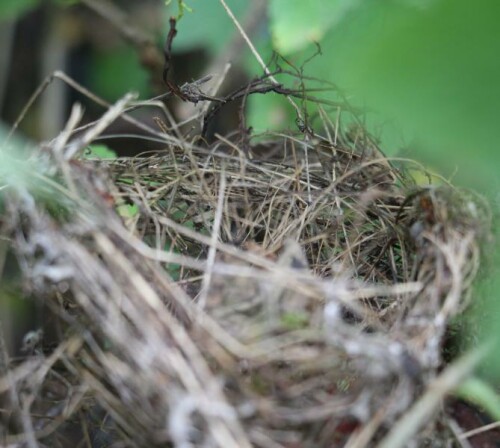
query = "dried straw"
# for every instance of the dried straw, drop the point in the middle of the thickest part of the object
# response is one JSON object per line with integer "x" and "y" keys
{"x": 237, "y": 299}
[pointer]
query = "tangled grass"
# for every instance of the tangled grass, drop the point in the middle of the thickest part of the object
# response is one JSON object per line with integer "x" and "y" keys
{"x": 288, "y": 295}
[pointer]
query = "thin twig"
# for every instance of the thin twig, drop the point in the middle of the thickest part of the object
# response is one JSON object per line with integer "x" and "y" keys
{"x": 111, "y": 115}
{"x": 480, "y": 430}
{"x": 207, "y": 276}
{"x": 258, "y": 57}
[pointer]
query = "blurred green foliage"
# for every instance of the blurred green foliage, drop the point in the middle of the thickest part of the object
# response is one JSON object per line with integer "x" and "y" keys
{"x": 295, "y": 23}
{"x": 15, "y": 168}
{"x": 431, "y": 68}
{"x": 10, "y": 9}
{"x": 20, "y": 173}
{"x": 208, "y": 27}
{"x": 117, "y": 71}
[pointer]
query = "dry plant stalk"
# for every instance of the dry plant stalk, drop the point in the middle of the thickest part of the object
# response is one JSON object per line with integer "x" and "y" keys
{"x": 243, "y": 302}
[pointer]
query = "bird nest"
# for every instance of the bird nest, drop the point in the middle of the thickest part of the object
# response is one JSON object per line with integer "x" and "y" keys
{"x": 288, "y": 295}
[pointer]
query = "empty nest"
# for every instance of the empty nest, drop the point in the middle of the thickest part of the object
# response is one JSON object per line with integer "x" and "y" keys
{"x": 296, "y": 295}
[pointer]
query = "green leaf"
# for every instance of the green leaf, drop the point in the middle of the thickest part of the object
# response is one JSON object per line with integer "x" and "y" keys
{"x": 127, "y": 210}
{"x": 297, "y": 23}
{"x": 294, "y": 321}
{"x": 10, "y": 9}
{"x": 100, "y": 152}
